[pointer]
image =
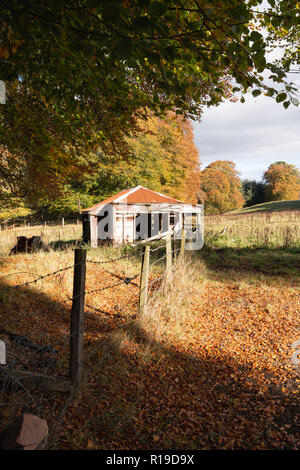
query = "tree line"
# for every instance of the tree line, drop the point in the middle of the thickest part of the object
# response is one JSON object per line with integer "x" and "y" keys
{"x": 223, "y": 190}
{"x": 87, "y": 84}
{"x": 162, "y": 156}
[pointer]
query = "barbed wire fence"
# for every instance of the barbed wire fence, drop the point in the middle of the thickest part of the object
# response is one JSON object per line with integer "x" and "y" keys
{"x": 27, "y": 222}
{"x": 38, "y": 363}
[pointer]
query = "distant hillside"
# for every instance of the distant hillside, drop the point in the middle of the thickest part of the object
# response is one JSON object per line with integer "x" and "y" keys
{"x": 271, "y": 206}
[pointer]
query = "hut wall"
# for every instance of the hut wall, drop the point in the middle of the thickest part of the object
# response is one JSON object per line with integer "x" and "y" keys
{"x": 122, "y": 223}
{"x": 124, "y": 228}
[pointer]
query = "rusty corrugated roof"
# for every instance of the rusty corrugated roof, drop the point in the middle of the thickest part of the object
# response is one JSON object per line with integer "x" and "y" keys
{"x": 137, "y": 195}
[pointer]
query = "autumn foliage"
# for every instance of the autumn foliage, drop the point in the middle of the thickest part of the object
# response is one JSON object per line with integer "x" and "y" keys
{"x": 166, "y": 158}
{"x": 221, "y": 187}
{"x": 282, "y": 182}
{"x": 160, "y": 155}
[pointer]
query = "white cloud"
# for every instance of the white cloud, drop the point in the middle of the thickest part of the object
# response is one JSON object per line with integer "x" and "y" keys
{"x": 253, "y": 135}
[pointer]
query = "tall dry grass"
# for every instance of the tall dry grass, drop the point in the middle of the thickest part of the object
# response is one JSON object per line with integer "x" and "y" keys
{"x": 167, "y": 313}
{"x": 273, "y": 229}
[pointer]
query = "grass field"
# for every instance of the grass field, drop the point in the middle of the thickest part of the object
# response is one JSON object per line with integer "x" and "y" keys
{"x": 56, "y": 236}
{"x": 254, "y": 229}
{"x": 207, "y": 366}
{"x": 273, "y": 206}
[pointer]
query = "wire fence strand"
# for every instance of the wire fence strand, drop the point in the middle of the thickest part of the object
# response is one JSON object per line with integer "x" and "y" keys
{"x": 23, "y": 349}
{"x": 43, "y": 277}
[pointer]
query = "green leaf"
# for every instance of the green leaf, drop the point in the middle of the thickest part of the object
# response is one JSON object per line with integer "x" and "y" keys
{"x": 154, "y": 58}
{"x": 295, "y": 101}
{"x": 256, "y": 93}
{"x": 276, "y": 21}
{"x": 255, "y": 36}
{"x": 111, "y": 13}
{"x": 141, "y": 24}
{"x": 123, "y": 49}
{"x": 158, "y": 8}
{"x": 281, "y": 97}
{"x": 238, "y": 12}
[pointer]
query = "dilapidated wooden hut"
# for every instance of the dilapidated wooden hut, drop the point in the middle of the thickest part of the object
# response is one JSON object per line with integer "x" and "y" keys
{"x": 136, "y": 214}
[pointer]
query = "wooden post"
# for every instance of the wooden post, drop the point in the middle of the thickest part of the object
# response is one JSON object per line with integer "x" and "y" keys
{"x": 144, "y": 278}
{"x": 168, "y": 253}
{"x": 63, "y": 222}
{"x": 45, "y": 223}
{"x": 77, "y": 317}
{"x": 182, "y": 246}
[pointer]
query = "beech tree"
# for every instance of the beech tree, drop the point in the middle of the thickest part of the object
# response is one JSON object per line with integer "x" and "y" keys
{"x": 161, "y": 156}
{"x": 79, "y": 74}
{"x": 222, "y": 187}
{"x": 282, "y": 182}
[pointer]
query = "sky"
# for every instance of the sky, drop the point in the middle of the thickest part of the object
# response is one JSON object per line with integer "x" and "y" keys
{"x": 253, "y": 134}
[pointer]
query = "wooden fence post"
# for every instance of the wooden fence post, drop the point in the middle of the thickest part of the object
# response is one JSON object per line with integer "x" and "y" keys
{"x": 168, "y": 253}
{"x": 77, "y": 317}
{"x": 144, "y": 278}
{"x": 182, "y": 246}
{"x": 63, "y": 222}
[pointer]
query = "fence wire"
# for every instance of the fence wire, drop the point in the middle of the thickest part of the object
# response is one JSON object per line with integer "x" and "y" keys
{"x": 111, "y": 260}
{"x": 40, "y": 356}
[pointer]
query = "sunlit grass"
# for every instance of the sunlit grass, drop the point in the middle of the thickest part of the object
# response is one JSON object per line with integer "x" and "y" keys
{"x": 262, "y": 229}
{"x": 50, "y": 234}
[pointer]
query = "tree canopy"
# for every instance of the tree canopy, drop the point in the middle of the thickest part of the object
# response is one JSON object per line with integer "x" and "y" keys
{"x": 222, "y": 187}
{"x": 162, "y": 157}
{"x": 253, "y": 192}
{"x": 80, "y": 74}
{"x": 282, "y": 182}
{"x": 137, "y": 52}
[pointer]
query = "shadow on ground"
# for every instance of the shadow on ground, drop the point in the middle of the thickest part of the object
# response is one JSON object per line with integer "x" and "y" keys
{"x": 268, "y": 261}
{"x": 158, "y": 397}
{"x": 167, "y": 399}
{"x": 275, "y": 206}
